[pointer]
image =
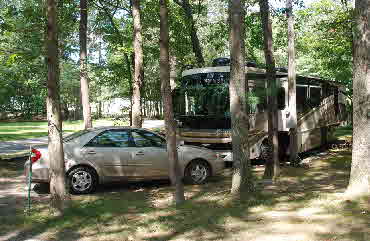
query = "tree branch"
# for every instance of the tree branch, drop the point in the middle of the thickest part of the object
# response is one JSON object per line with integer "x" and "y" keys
{"x": 110, "y": 17}
{"x": 116, "y": 5}
{"x": 181, "y": 4}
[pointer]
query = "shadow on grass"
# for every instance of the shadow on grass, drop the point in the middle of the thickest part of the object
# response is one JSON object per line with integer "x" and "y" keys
{"x": 143, "y": 211}
{"x": 22, "y": 136}
{"x": 128, "y": 210}
{"x": 11, "y": 167}
{"x": 22, "y": 129}
{"x": 5, "y": 124}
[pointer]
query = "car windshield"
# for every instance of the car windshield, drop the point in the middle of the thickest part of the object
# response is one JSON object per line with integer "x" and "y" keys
{"x": 75, "y": 135}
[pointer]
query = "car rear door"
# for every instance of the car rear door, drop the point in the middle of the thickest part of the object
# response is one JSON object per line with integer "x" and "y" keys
{"x": 110, "y": 151}
{"x": 149, "y": 159}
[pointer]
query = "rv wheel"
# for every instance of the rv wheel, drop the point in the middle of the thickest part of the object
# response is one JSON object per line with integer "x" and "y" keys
{"x": 265, "y": 151}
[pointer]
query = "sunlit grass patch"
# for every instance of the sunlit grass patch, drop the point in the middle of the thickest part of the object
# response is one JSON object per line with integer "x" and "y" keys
{"x": 343, "y": 132}
{"x": 10, "y": 131}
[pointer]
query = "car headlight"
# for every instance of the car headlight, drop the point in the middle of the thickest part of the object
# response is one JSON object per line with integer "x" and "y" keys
{"x": 221, "y": 156}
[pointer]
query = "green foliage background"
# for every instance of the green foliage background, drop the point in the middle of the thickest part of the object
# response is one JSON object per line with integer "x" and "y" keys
{"x": 323, "y": 47}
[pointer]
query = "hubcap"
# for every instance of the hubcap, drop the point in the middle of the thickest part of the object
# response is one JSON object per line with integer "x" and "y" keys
{"x": 81, "y": 181}
{"x": 198, "y": 173}
{"x": 265, "y": 152}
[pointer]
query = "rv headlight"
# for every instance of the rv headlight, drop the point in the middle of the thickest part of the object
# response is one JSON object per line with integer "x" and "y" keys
{"x": 287, "y": 113}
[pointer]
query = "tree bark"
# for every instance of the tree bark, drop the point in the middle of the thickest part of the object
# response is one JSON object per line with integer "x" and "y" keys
{"x": 359, "y": 183}
{"x": 144, "y": 109}
{"x": 176, "y": 174}
{"x": 292, "y": 88}
{"x": 238, "y": 107}
{"x": 58, "y": 191}
{"x": 272, "y": 169}
{"x": 128, "y": 65}
{"x": 197, "y": 49}
{"x": 157, "y": 108}
{"x": 138, "y": 66}
{"x": 83, "y": 66}
{"x": 100, "y": 60}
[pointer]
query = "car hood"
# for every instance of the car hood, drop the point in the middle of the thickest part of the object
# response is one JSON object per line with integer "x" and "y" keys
{"x": 188, "y": 153}
{"x": 185, "y": 148}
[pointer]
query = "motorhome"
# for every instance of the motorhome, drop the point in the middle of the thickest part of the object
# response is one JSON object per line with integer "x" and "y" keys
{"x": 202, "y": 109}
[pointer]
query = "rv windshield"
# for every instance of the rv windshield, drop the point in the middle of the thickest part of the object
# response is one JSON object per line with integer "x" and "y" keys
{"x": 208, "y": 94}
{"x": 203, "y": 94}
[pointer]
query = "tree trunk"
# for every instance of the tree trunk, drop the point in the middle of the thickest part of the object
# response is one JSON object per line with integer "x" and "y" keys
{"x": 272, "y": 163}
{"x": 58, "y": 191}
{"x": 100, "y": 59}
{"x": 100, "y": 108}
{"x": 138, "y": 66}
{"x": 83, "y": 65}
{"x": 359, "y": 183}
{"x": 176, "y": 174}
{"x": 143, "y": 107}
{"x": 193, "y": 31}
{"x": 157, "y": 108}
{"x": 161, "y": 108}
{"x": 292, "y": 122}
{"x": 128, "y": 65}
{"x": 239, "y": 117}
{"x": 150, "y": 110}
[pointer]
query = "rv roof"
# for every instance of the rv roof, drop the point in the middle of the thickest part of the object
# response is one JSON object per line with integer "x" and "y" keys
{"x": 258, "y": 71}
{"x": 226, "y": 69}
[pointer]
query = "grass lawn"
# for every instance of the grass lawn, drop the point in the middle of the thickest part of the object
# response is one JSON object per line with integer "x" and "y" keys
{"x": 306, "y": 204}
{"x": 10, "y": 131}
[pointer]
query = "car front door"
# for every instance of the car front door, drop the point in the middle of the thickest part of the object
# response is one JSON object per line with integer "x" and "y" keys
{"x": 110, "y": 151}
{"x": 149, "y": 159}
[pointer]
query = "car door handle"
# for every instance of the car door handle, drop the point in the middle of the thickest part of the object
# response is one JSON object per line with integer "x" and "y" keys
{"x": 140, "y": 153}
{"x": 91, "y": 152}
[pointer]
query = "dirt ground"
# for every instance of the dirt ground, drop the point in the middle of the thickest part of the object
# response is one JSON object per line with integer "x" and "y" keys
{"x": 306, "y": 204}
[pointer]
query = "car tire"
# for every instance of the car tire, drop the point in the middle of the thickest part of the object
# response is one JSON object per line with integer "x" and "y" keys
{"x": 197, "y": 172}
{"x": 42, "y": 188}
{"x": 82, "y": 180}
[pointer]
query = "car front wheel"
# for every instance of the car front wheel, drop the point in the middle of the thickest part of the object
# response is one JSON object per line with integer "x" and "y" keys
{"x": 82, "y": 180}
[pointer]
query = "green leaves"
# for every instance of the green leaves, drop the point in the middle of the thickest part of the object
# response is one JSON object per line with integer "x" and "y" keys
{"x": 325, "y": 41}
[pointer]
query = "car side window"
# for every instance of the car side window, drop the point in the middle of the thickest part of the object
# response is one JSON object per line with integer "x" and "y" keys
{"x": 111, "y": 138}
{"x": 147, "y": 139}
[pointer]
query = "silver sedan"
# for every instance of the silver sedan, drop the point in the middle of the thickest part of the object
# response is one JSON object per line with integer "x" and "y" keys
{"x": 110, "y": 154}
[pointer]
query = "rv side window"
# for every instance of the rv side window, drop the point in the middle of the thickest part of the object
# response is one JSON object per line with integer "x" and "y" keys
{"x": 301, "y": 99}
{"x": 315, "y": 96}
{"x": 178, "y": 100}
{"x": 257, "y": 100}
{"x": 281, "y": 98}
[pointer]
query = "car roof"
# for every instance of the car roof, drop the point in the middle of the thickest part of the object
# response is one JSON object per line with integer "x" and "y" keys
{"x": 103, "y": 128}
